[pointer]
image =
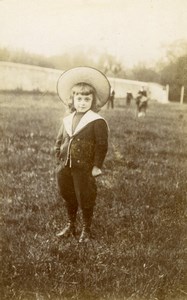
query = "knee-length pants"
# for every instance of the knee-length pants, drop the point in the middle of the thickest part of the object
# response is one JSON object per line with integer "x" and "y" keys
{"x": 77, "y": 187}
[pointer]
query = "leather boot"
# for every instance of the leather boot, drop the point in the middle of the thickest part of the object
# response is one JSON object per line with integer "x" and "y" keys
{"x": 69, "y": 230}
{"x": 85, "y": 235}
{"x": 86, "y": 232}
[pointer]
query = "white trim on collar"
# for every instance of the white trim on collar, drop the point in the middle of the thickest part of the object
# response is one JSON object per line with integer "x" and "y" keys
{"x": 88, "y": 117}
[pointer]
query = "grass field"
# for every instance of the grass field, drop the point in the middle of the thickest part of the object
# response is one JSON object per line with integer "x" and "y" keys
{"x": 139, "y": 249}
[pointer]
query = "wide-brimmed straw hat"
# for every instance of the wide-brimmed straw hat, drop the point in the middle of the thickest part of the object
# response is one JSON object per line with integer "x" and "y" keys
{"x": 88, "y": 75}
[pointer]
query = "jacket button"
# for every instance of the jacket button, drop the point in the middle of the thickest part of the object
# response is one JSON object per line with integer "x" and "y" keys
{"x": 78, "y": 161}
{"x": 78, "y": 140}
{"x": 78, "y": 150}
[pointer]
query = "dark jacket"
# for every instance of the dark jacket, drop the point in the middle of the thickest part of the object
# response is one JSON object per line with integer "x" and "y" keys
{"x": 87, "y": 147}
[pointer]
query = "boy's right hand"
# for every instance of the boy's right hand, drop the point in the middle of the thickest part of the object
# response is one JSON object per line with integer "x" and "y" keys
{"x": 96, "y": 171}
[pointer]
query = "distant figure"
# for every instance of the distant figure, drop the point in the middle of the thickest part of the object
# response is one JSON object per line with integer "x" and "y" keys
{"x": 141, "y": 103}
{"x": 111, "y": 100}
{"x": 143, "y": 91}
{"x": 129, "y": 97}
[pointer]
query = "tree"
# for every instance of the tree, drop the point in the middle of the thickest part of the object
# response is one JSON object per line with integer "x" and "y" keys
{"x": 110, "y": 65}
{"x": 175, "y": 74}
{"x": 4, "y": 54}
{"x": 143, "y": 73}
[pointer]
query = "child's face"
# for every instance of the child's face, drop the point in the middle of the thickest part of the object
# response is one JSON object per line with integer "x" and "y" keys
{"x": 82, "y": 103}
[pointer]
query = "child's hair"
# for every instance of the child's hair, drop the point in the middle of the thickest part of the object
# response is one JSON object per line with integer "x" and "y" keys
{"x": 83, "y": 89}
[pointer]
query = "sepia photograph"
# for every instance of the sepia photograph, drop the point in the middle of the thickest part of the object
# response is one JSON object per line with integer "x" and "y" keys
{"x": 93, "y": 149}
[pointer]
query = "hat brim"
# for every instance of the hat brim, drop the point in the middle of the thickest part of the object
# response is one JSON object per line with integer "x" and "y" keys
{"x": 88, "y": 75}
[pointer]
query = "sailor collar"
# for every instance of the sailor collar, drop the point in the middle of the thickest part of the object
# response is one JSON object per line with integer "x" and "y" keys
{"x": 87, "y": 118}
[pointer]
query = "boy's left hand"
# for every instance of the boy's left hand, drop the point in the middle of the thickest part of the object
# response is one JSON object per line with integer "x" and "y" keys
{"x": 96, "y": 171}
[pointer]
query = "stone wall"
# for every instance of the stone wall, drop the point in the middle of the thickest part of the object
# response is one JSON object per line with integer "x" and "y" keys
{"x": 32, "y": 78}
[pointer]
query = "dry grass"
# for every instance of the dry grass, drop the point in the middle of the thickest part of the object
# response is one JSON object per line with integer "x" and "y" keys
{"x": 140, "y": 218}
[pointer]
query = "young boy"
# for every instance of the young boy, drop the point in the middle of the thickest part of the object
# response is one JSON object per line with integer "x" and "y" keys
{"x": 81, "y": 144}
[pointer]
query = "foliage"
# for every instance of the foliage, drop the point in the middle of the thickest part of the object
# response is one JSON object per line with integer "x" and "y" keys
{"x": 140, "y": 218}
{"x": 105, "y": 62}
{"x": 143, "y": 73}
{"x": 110, "y": 65}
{"x": 72, "y": 59}
{"x": 21, "y": 56}
{"x": 173, "y": 51}
{"x": 175, "y": 74}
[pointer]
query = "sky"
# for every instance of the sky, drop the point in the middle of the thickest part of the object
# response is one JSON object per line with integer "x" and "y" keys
{"x": 132, "y": 30}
